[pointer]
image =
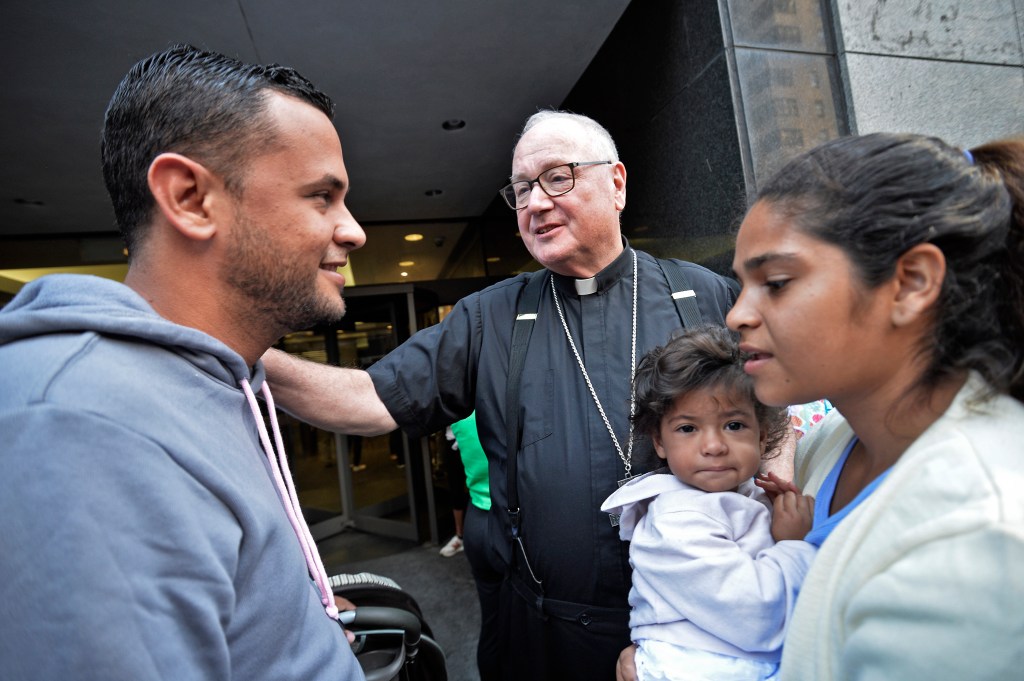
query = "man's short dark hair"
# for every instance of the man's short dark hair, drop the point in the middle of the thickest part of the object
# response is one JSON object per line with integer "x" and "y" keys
{"x": 200, "y": 104}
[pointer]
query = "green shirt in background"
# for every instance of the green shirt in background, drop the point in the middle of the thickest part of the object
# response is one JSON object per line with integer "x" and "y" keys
{"x": 474, "y": 461}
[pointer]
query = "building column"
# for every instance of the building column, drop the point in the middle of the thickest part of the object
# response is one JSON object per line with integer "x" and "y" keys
{"x": 953, "y": 69}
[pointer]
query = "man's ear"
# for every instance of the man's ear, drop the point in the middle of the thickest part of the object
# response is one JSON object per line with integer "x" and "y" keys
{"x": 619, "y": 178}
{"x": 181, "y": 188}
{"x": 918, "y": 282}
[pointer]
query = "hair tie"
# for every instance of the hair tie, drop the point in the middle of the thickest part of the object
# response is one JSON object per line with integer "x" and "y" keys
{"x": 969, "y": 156}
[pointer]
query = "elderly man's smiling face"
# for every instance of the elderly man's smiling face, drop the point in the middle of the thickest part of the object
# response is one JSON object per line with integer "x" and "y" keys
{"x": 576, "y": 234}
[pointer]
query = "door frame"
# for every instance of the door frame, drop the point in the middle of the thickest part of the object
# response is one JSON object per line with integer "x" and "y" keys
{"x": 420, "y": 489}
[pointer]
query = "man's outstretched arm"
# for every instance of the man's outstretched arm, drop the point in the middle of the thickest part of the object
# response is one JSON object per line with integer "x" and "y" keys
{"x": 328, "y": 397}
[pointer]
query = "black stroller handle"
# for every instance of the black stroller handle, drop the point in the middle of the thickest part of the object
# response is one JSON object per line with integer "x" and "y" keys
{"x": 377, "y": 618}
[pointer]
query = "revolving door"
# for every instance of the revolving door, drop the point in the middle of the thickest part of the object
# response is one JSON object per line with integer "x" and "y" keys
{"x": 380, "y": 484}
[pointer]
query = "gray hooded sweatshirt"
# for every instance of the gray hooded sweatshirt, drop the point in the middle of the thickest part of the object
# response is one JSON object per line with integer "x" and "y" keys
{"x": 143, "y": 534}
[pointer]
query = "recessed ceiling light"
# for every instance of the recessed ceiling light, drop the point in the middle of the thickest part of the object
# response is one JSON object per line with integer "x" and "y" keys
{"x": 494, "y": 258}
{"x": 406, "y": 263}
{"x": 434, "y": 192}
{"x": 405, "y": 274}
{"x": 414, "y": 237}
{"x": 454, "y": 124}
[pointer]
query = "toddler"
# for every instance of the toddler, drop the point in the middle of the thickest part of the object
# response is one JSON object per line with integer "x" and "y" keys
{"x": 716, "y": 564}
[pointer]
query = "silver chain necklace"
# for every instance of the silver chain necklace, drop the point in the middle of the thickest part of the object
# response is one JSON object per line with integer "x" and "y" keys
{"x": 627, "y": 458}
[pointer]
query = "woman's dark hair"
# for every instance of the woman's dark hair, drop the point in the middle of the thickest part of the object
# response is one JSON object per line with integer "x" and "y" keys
{"x": 704, "y": 357}
{"x": 876, "y": 196}
{"x": 200, "y": 104}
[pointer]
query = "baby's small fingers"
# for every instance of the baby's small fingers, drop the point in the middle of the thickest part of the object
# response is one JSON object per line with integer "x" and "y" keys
{"x": 784, "y": 484}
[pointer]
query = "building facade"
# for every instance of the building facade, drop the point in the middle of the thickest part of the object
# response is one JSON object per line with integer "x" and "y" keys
{"x": 707, "y": 97}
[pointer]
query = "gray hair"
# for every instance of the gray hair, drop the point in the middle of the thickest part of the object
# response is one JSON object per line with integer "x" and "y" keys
{"x": 598, "y": 138}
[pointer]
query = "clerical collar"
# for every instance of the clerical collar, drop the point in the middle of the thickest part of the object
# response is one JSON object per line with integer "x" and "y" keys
{"x": 621, "y": 267}
{"x": 585, "y": 287}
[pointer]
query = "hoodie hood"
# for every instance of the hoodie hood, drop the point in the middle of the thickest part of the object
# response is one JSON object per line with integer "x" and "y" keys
{"x": 71, "y": 303}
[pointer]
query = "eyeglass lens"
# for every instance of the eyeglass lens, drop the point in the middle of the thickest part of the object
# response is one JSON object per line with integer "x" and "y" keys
{"x": 554, "y": 181}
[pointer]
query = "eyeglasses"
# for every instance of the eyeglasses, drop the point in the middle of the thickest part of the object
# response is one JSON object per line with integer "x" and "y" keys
{"x": 554, "y": 181}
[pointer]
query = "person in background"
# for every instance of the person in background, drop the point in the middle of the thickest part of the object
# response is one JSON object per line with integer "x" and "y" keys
{"x": 563, "y": 611}
{"x": 716, "y": 570}
{"x": 150, "y": 526}
{"x": 355, "y": 447}
{"x": 488, "y": 572}
{"x": 455, "y": 472}
{"x": 466, "y": 468}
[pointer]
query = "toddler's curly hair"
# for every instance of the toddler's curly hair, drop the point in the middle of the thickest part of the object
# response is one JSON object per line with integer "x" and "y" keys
{"x": 704, "y": 357}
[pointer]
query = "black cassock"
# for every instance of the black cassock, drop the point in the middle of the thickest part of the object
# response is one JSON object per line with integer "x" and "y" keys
{"x": 568, "y": 464}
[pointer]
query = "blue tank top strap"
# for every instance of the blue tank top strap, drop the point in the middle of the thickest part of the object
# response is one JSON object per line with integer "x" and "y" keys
{"x": 825, "y": 523}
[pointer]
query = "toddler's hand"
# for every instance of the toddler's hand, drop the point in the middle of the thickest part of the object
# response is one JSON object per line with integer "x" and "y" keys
{"x": 773, "y": 485}
{"x": 793, "y": 515}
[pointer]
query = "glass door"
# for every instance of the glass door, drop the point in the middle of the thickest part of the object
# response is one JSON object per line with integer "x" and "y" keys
{"x": 380, "y": 484}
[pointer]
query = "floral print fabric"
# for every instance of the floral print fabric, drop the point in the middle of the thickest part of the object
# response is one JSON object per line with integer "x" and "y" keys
{"x": 803, "y": 416}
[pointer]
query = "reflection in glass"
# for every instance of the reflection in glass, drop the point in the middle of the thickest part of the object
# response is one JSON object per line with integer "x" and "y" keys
{"x": 312, "y": 454}
{"x": 785, "y": 24}
{"x": 372, "y": 483}
{"x": 789, "y": 102}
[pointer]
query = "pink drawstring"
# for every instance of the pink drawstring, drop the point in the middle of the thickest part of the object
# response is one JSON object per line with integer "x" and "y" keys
{"x": 286, "y": 488}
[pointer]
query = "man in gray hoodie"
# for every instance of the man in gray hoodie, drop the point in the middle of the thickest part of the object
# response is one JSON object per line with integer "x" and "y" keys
{"x": 148, "y": 524}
